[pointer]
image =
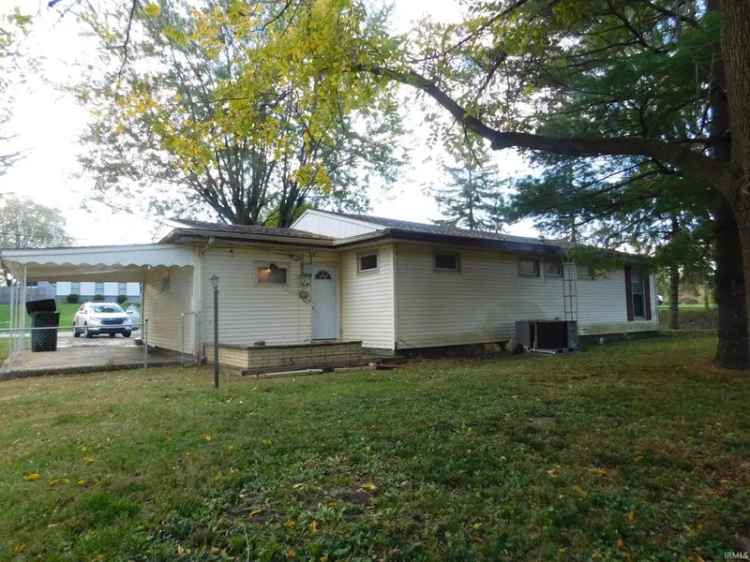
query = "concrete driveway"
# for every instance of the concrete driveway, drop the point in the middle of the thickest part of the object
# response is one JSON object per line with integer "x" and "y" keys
{"x": 80, "y": 355}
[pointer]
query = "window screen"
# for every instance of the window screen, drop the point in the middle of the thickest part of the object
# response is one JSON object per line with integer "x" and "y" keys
{"x": 553, "y": 269}
{"x": 528, "y": 268}
{"x": 446, "y": 261}
{"x": 586, "y": 272}
{"x": 368, "y": 262}
{"x": 639, "y": 297}
{"x": 272, "y": 274}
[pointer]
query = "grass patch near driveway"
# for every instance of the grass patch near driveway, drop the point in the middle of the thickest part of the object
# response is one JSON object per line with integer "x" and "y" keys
{"x": 67, "y": 312}
{"x": 632, "y": 451}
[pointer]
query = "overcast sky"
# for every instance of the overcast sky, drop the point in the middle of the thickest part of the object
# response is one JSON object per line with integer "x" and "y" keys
{"x": 48, "y": 122}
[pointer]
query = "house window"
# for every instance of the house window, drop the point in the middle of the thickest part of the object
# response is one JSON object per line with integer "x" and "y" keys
{"x": 528, "y": 268}
{"x": 99, "y": 288}
{"x": 368, "y": 262}
{"x": 585, "y": 272}
{"x": 637, "y": 294}
{"x": 75, "y": 288}
{"x": 122, "y": 288}
{"x": 445, "y": 261}
{"x": 271, "y": 274}
{"x": 553, "y": 269}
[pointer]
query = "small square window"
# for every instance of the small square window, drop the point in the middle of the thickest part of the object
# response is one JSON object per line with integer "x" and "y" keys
{"x": 368, "y": 262}
{"x": 553, "y": 269}
{"x": 528, "y": 268}
{"x": 271, "y": 274}
{"x": 588, "y": 272}
{"x": 445, "y": 261}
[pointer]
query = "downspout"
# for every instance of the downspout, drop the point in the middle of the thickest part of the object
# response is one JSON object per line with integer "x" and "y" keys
{"x": 394, "y": 280}
{"x": 200, "y": 350}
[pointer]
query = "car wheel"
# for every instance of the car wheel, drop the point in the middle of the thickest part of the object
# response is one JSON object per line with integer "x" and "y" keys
{"x": 126, "y": 333}
{"x": 87, "y": 332}
{"x": 76, "y": 333}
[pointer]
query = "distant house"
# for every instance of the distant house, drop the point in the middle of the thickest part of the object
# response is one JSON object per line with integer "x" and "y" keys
{"x": 87, "y": 290}
{"x": 391, "y": 285}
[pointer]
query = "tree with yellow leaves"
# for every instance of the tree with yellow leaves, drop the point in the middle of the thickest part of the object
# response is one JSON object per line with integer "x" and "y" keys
{"x": 236, "y": 109}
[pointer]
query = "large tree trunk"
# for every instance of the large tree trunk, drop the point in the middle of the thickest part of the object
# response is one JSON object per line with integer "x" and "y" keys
{"x": 730, "y": 93}
{"x": 733, "y": 351}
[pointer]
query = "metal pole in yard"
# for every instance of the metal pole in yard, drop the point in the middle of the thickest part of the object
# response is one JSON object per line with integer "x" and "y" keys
{"x": 215, "y": 283}
{"x": 144, "y": 336}
{"x": 23, "y": 316}
{"x": 12, "y": 318}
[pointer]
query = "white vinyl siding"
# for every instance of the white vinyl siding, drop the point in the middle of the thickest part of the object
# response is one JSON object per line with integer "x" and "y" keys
{"x": 252, "y": 311}
{"x": 367, "y": 303}
{"x": 478, "y": 305}
{"x": 65, "y": 288}
{"x": 482, "y": 303}
{"x": 165, "y": 301}
{"x": 602, "y": 307}
{"x": 329, "y": 225}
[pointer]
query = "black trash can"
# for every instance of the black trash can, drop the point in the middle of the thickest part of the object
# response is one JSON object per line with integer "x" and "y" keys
{"x": 43, "y": 315}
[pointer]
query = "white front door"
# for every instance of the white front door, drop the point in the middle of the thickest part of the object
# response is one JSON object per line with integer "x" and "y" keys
{"x": 325, "y": 310}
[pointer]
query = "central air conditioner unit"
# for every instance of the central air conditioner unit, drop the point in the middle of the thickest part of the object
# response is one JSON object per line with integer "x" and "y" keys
{"x": 550, "y": 336}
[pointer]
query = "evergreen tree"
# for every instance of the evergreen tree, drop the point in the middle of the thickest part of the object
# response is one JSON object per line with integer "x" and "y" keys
{"x": 604, "y": 206}
{"x": 473, "y": 197}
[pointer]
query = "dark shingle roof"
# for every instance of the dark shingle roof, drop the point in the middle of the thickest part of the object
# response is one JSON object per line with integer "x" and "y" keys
{"x": 200, "y": 228}
{"x": 448, "y": 230}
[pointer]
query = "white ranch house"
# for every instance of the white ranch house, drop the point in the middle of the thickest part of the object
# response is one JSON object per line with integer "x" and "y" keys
{"x": 391, "y": 285}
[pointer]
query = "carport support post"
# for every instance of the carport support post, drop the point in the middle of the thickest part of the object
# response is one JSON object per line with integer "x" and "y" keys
{"x": 215, "y": 284}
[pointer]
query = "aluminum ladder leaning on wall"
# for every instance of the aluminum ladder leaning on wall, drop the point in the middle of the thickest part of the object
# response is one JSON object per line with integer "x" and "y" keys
{"x": 570, "y": 291}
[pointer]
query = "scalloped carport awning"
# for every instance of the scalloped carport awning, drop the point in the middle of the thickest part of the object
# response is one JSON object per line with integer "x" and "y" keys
{"x": 95, "y": 263}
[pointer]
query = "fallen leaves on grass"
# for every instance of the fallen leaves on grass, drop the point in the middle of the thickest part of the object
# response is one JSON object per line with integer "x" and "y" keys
{"x": 58, "y": 481}
{"x": 32, "y": 476}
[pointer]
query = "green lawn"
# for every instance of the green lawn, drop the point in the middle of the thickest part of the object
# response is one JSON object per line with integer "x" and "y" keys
{"x": 631, "y": 451}
{"x": 692, "y": 318}
{"x": 689, "y": 306}
{"x": 67, "y": 311}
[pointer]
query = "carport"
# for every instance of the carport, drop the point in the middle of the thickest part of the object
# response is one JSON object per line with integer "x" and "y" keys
{"x": 148, "y": 264}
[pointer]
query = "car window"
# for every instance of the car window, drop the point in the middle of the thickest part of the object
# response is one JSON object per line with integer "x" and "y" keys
{"x": 105, "y": 308}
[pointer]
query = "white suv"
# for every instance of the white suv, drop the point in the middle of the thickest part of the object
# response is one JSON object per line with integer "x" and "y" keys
{"x": 95, "y": 318}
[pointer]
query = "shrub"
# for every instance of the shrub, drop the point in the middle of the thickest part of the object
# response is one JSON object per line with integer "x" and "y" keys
{"x": 122, "y": 299}
{"x": 73, "y": 298}
{"x": 98, "y": 298}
